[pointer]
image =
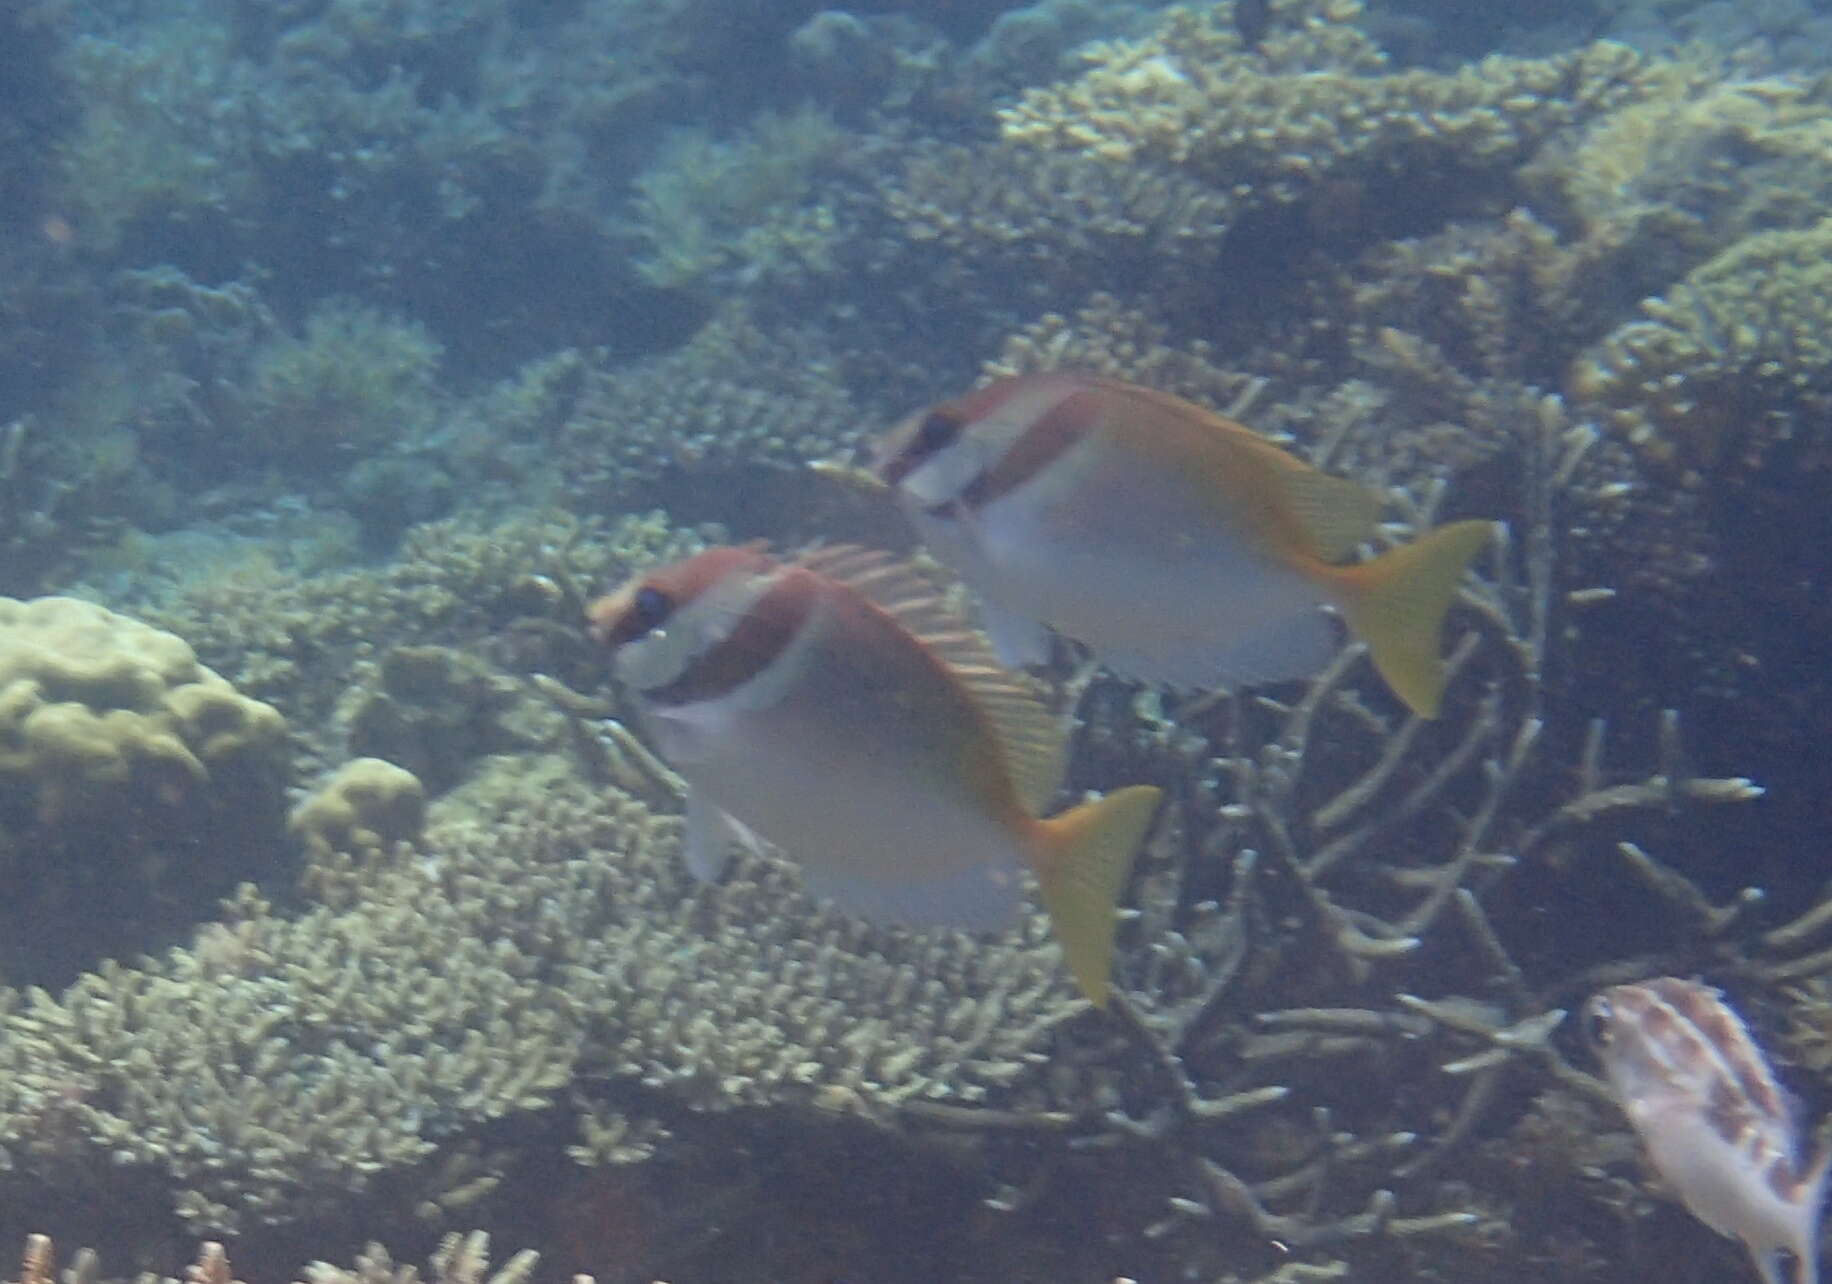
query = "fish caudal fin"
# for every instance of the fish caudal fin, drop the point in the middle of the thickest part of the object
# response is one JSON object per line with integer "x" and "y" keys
{"x": 1086, "y": 853}
{"x": 1396, "y": 604}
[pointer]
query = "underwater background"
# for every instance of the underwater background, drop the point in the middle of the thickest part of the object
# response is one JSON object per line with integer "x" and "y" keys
{"x": 348, "y": 346}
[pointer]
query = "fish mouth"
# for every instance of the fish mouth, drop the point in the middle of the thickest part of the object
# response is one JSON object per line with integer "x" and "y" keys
{"x": 946, "y": 511}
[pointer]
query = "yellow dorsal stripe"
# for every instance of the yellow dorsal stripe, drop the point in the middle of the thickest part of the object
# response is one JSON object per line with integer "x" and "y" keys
{"x": 1260, "y": 489}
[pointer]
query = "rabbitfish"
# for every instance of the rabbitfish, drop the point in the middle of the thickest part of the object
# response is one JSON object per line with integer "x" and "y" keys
{"x": 1178, "y": 545}
{"x": 831, "y": 706}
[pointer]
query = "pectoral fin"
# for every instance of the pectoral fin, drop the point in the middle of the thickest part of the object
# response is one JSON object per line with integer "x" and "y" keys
{"x": 1018, "y": 640}
{"x": 711, "y": 834}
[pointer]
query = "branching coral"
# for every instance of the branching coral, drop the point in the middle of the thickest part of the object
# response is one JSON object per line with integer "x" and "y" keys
{"x": 459, "y": 1259}
{"x": 1312, "y": 103}
{"x": 735, "y": 393}
{"x": 352, "y": 383}
{"x": 1732, "y": 362}
{"x": 1056, "y": 222}
{"x": 701, "y": 204}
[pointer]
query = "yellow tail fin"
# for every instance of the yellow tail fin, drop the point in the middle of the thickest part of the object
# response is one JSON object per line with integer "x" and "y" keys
{"x": 1396, "y": 604}
{"x": 1086, "y": 853}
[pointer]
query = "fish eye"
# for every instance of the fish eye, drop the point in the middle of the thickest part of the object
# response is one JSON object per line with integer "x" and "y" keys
{"x": 1597, "y": 1016}
{"x": 651, "y": 608}
{"x": 938, "y": 431}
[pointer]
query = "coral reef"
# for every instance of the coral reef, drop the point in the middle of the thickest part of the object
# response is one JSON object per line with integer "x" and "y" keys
{"x": 135, "y": 783}
{"x": 434, "y": 710}
{"x": 1058, "y": 222}
{"x": 506, "y": 262}
{"x": 703, "y": 204}
{"x": 499, "y": 588}
{"x": 1271, "y": 1065}
{"x": 300, "y": 1059}
{"x": 459, "y": 1259}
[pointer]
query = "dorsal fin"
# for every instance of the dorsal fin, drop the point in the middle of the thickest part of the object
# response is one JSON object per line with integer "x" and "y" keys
{"x": 1333, "y": 514}
{"x": 1034, "y": 740}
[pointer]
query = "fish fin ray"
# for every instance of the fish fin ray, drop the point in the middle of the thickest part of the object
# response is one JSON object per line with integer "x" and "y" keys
{"x": 711, "y": 833}
{"x": 1034, "y": 741}
{"x": 1087, "y": 853}
{"x": 1018, "y": 640}
{"x": 1397, "y": 602}
{"x": 1812, "y": 1198}
{"x": 1333, "y": 514}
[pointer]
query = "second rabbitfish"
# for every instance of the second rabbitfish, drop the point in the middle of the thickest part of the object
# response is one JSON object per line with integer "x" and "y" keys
{"x": 1178, "y": 545}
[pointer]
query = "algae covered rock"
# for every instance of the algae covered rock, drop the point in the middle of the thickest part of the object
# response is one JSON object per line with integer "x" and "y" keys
{"x": 136, "y": 785}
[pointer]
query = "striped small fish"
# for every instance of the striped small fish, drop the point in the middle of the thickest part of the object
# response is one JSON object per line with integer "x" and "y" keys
{"x": 1176, "y": 544}
{"x": 832, "y": 707}
{"x": 1715, "y": 1123}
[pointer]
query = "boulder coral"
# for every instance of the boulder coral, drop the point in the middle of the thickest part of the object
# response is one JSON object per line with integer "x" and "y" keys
{"x": 132, "y": 779}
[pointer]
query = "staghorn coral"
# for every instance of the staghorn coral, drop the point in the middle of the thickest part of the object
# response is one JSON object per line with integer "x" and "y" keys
{"x": 459, "y": 1259}
{"x": 131, "y": 779}
{"x": 538, "y": 937}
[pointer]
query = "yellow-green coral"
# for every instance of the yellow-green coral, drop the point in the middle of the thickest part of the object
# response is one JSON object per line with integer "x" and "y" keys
{"x": 366, "y": 807}
{"x": 135, "y": 786}
{"x": 1697, "y": 136}
{"x": 99, "y": 711}
{"x": 704, "y": 204}
{"x": 352, "y": 382}
{"x": 1748, "y": 332}
{"x": 277, "y": 1067}
{"x": 1315, "y": 100}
